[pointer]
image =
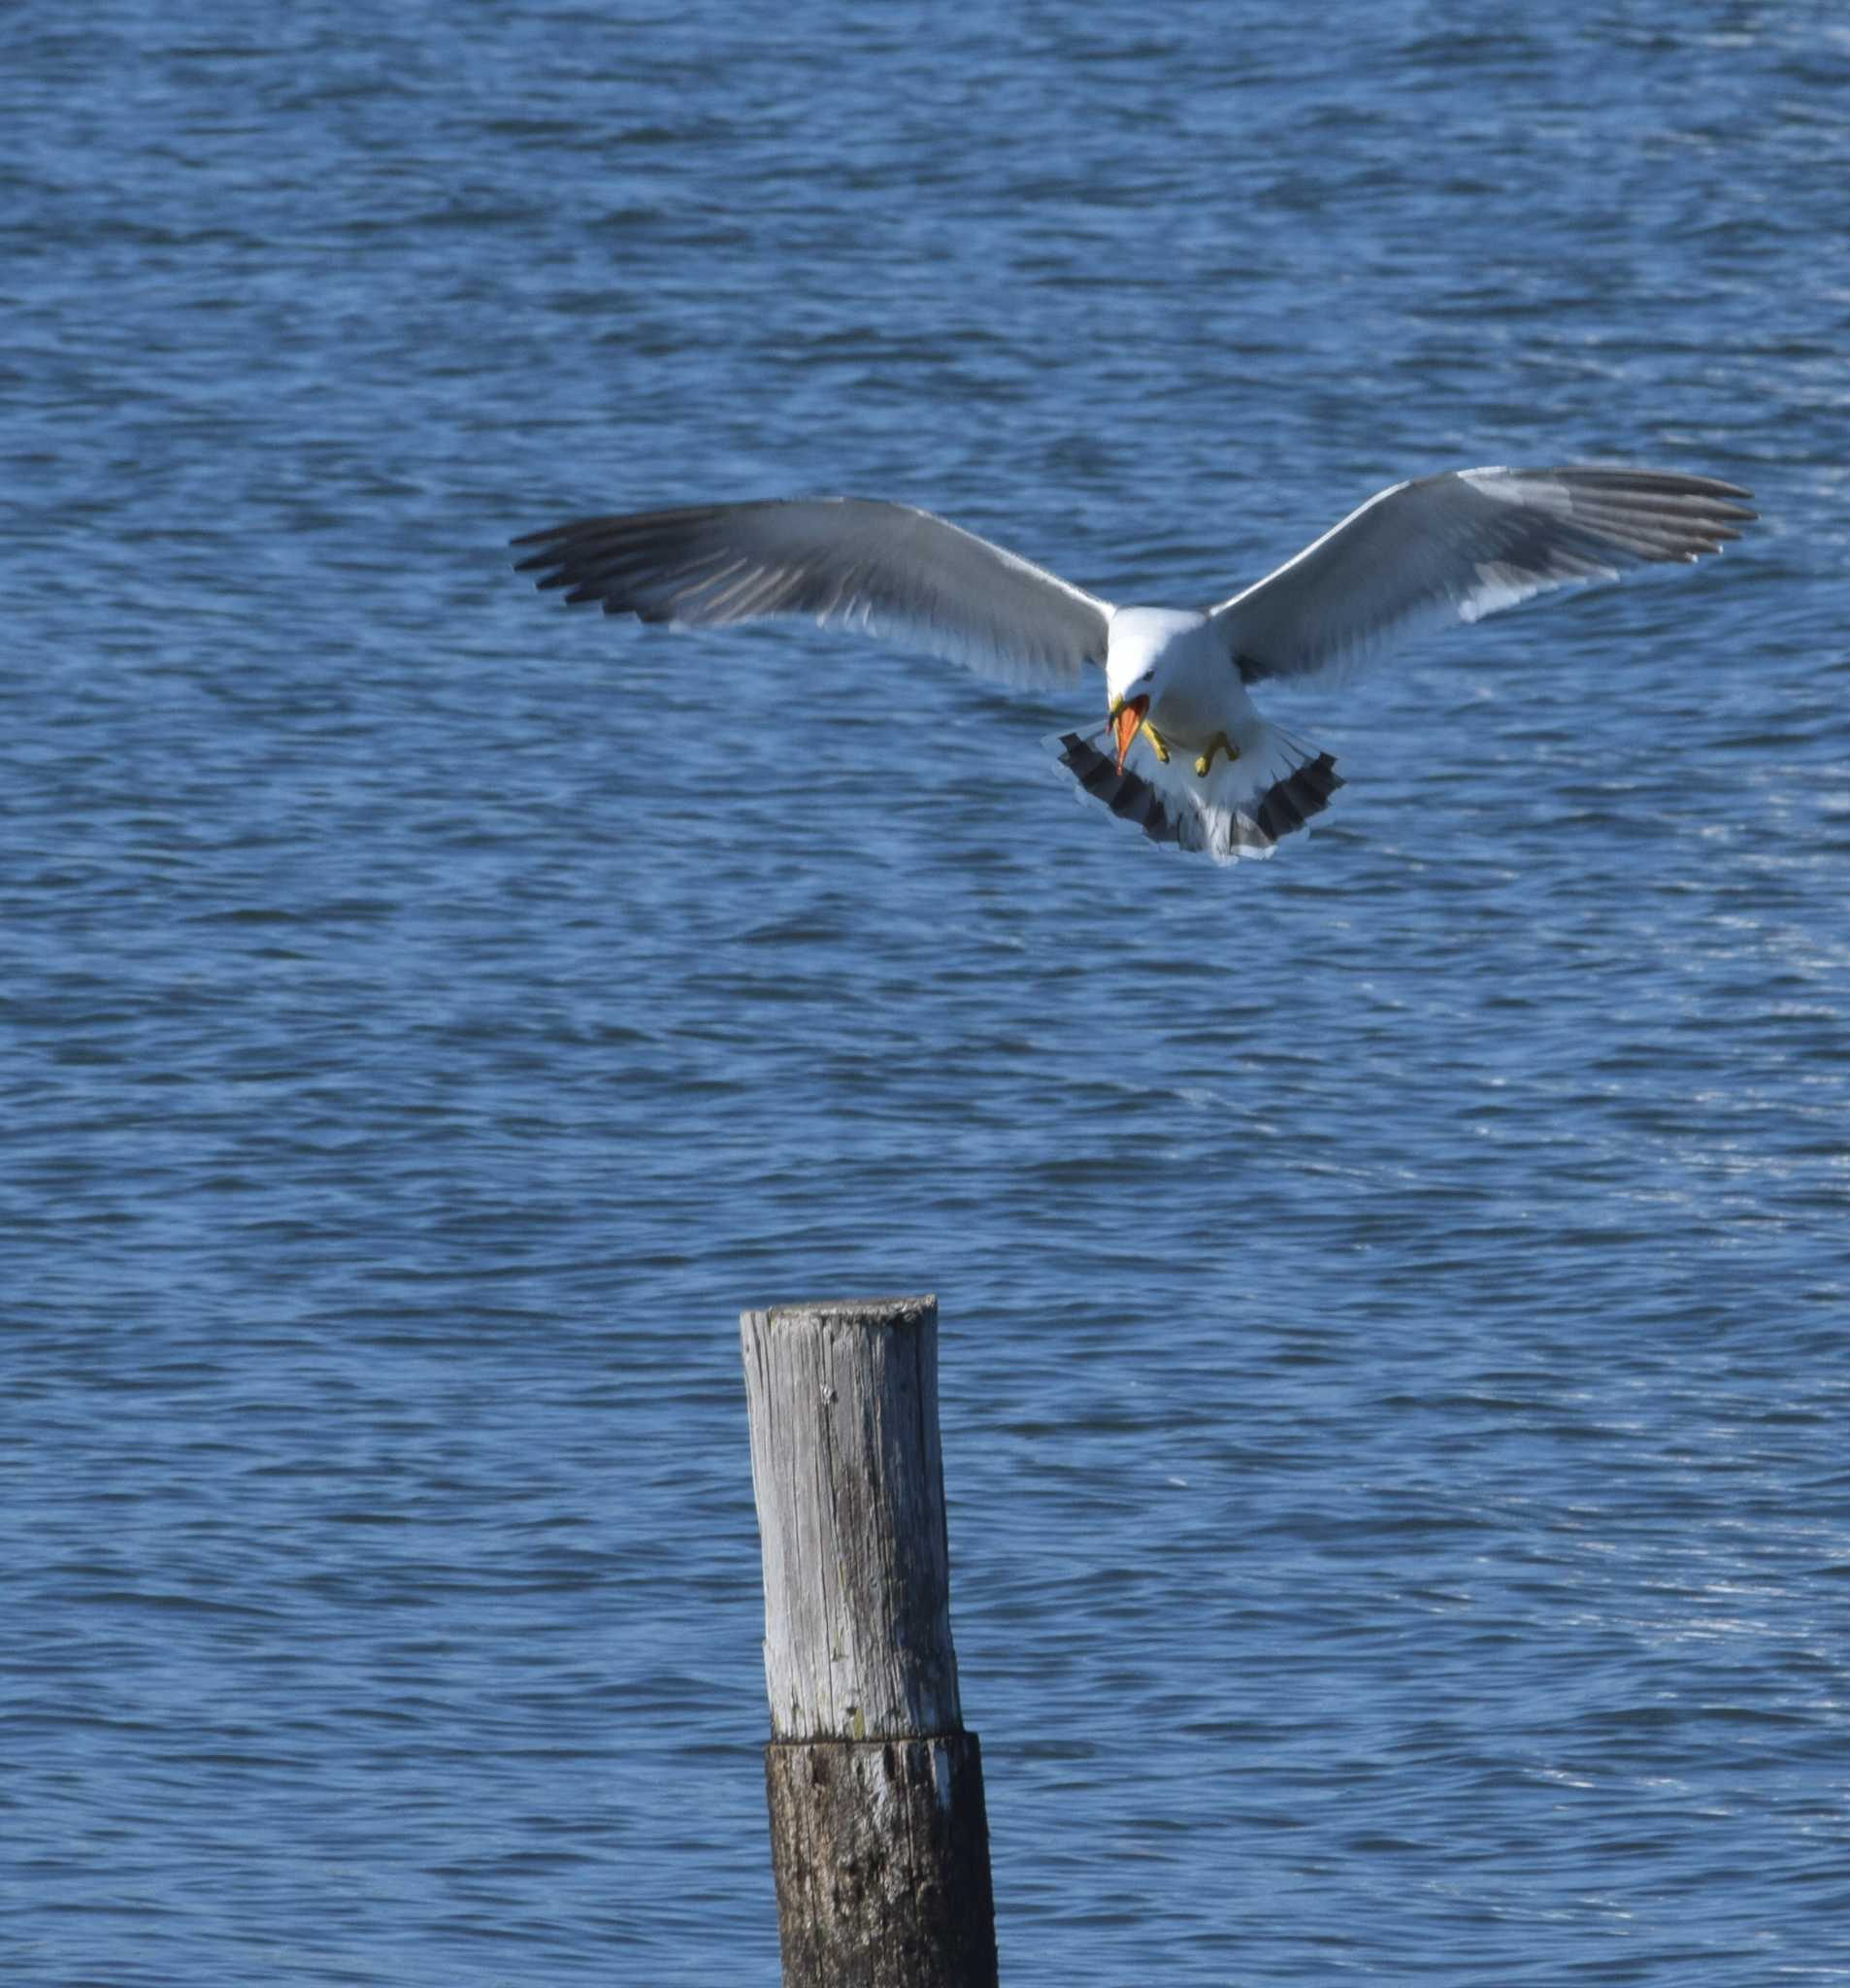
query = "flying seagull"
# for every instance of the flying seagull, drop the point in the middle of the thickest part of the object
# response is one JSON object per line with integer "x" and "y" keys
{"x": 1191, "y": 761}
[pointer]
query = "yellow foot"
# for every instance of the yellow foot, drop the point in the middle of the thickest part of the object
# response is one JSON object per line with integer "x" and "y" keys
{"x": 1150, "y": 733}
{"x": 1220, "y": 743}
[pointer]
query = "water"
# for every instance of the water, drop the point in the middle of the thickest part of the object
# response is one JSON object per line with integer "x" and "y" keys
{"x": 1396, "y": 1299}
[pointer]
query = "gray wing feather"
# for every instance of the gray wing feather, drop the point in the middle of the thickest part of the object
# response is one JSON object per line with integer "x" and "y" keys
{"x": 1463, "y": 545}
{"x": 846, "y": 562}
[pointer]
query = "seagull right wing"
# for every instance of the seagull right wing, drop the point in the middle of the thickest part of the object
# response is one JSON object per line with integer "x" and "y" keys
{"x": 890, "y": 571}
{"x": 1461, "y": 545}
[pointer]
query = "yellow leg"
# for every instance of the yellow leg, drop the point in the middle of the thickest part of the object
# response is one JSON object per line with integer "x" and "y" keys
{"x": 1156, "y": 743}
{"x": 1220, "y": 743}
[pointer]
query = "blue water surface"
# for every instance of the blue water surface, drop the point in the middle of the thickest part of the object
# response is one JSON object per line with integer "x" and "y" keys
{"x": 1396, "y": 1299}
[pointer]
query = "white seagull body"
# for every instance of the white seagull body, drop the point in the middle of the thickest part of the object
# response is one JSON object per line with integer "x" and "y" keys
{"x": 1195, "y": 763}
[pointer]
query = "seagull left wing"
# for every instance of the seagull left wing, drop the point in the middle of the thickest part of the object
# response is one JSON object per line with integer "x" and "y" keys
{"x": 901, "y": 574}
{"x": 1459, "y": 546}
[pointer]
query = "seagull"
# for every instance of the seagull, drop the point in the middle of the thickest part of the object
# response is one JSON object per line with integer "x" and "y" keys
{"x": 1191, "y": 761}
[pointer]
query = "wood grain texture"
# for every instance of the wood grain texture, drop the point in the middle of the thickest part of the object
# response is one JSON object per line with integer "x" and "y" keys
{"x": 849, "y": 1476}
{"x": 881, "y": 1855}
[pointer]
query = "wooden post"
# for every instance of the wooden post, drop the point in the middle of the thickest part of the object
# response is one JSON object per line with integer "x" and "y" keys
{"x": 880, "y": 1843}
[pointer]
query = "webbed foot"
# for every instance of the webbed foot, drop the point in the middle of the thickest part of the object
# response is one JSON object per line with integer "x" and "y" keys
{"x": 1220, "y": 743}
{"x": 1156, "y": 741}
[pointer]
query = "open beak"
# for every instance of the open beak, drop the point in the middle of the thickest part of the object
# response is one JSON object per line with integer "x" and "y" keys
{"x": 1126, "y": 718}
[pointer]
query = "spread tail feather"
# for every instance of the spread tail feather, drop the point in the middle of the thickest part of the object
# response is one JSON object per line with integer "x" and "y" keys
{"x": 1129, "y": 797}
{"x": 1241, "y": 808}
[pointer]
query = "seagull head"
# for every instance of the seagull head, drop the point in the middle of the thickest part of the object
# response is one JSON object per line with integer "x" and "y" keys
{"x": 1130, "y": 678}
{"x": 1142, "y": 645}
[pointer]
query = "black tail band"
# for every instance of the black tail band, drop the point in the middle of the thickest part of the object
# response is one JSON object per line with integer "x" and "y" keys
{"x": 1127, "y": 794}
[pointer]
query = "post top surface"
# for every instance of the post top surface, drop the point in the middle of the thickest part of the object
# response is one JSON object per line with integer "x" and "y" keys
{"x": 902, "y": 1312}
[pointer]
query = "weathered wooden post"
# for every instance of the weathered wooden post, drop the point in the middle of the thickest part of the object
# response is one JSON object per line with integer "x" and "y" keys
{"x": 880, "y": 1843}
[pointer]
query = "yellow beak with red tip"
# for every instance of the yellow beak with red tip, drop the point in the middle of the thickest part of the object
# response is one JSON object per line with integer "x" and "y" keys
{"x": 1127, "y": 718}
